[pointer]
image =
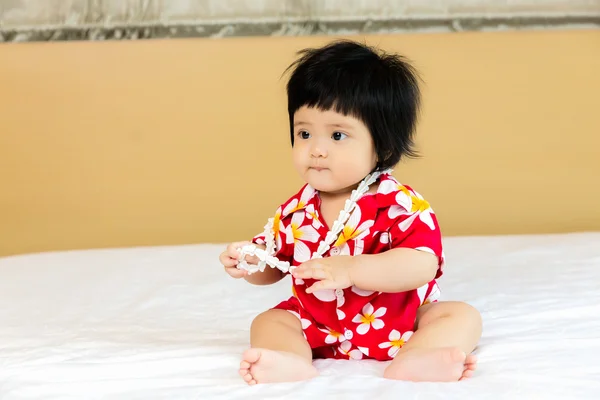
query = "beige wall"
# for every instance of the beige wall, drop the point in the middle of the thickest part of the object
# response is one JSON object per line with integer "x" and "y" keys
{"x": 165, "y": 142}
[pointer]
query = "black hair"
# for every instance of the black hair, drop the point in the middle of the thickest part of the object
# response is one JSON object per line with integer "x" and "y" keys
{"x": 379, "y": 89}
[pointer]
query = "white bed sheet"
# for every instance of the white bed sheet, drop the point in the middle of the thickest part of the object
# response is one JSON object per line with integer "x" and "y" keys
{"x": 166, "y": 322}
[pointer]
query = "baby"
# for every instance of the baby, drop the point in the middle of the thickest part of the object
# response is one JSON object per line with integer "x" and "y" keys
{"x": 365, "y": 250}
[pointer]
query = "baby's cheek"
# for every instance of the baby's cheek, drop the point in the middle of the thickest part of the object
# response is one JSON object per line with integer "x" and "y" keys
{"x": 353, "y": 170}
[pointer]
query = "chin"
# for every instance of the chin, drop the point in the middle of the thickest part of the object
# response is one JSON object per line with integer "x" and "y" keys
{"x": 321, "y": 185}
{"x": 326, "y": 186}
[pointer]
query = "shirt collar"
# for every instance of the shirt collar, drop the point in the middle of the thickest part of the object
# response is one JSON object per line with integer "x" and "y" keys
{"x": 308, "y": 196}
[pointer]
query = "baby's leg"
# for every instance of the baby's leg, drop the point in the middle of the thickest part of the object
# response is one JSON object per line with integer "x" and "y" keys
{"x": 279, "y": 352}
{"x": 439, "y": 350}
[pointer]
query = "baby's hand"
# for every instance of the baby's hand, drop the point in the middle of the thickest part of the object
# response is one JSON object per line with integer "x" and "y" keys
{"x": 229, "y": 258}
{"x": 330, "y": 272}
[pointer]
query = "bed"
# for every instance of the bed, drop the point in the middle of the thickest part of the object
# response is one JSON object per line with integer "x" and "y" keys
{"x": 167, "y": 322}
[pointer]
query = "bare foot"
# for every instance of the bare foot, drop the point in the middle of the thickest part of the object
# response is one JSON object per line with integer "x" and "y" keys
{"x": 470, "y": 367}
{"x": 268, "y": 366}
{"x": 448, "y": 364}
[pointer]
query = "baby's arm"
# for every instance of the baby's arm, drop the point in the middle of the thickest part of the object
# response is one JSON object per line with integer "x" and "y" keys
{"x": 415, "y": 256}
{"x": 396, "y": 270}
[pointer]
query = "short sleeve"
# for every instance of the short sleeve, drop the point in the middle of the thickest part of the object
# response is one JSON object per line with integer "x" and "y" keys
{"x": 418, "y": 230}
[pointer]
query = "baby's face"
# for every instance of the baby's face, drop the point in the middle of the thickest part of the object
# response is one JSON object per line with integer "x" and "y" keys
{"x": 332, "y": 152}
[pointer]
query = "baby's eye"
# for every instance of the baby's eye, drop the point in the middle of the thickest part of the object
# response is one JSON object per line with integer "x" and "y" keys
{"x": 304, "y": 134}
{"x": 338, "y": 136}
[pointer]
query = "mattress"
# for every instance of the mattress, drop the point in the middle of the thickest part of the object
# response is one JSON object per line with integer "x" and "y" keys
{"x": 167, "y": 322}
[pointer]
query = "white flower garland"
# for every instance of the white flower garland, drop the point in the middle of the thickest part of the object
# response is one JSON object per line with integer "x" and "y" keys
{"x": 266, "y": 257}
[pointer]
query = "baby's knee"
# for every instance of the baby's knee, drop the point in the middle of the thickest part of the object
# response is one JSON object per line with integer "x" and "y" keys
{"x": 450, "y": 309}
{"x": 274, "y": 316}
{"x": 263, "y": 318}
{"x": 468, "y": 311}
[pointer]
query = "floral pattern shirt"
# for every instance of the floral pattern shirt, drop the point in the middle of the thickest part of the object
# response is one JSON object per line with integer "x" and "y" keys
{"x": 371, "y": 323}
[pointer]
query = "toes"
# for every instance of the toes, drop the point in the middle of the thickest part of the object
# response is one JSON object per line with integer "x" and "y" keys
{"x": 466, "y": 374}
{"x": 245, "y": 371}
{"x": 471, "y": 359}
{"x": 251, "y": 355}
{"x": 244, "y": 365}
{"x": 471, "y": 362}
{"x": 471, "y": 367}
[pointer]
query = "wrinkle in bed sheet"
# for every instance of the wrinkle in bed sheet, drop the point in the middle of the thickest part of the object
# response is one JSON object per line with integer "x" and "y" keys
{"x": 166, "y": 322}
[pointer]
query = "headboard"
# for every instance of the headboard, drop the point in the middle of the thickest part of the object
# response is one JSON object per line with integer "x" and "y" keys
{"x": 134, "y": 143}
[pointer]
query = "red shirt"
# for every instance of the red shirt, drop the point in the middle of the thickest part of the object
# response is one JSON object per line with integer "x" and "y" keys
{"x": 393, "y": 217}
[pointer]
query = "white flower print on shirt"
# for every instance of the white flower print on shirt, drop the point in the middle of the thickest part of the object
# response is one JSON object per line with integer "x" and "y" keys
{"x": 340, "y": 300}
{"x": 326, "y": 295}
{"x": 296, "y": 205}
{"x": 364, "y": 350}
{"x": 369, "y": 318}
{"x": 409, "y": 203}
{"x": 396, "y": 341}
{"x": 353, "y": 354}
{"x": 352, "y": 231}
{"x": 298, "y": 234}
{"x": 313, "y": 215}
{"x": 384, "y": 238}
{"x": 332, "y": 336}
{"x": 361, "y": 292}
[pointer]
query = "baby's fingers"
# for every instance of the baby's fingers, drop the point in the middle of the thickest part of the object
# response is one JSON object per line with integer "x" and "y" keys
{"x": 309, "y": 273}
{"x": 252, "y": 260}
{"x": 233, "y": 252}
{"x": 227, "y": 261}
{"x": 236, "y": 273}
{"x": 232, "y": 249}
